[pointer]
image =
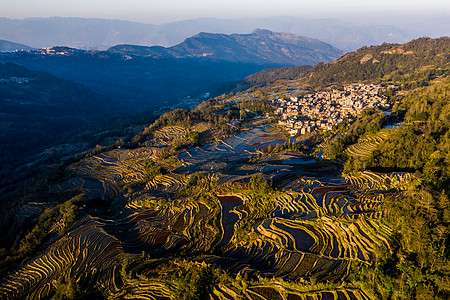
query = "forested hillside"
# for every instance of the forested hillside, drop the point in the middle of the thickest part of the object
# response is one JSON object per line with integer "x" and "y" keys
{"x": 413, "y": 64}
{"x": 38, "y": 110}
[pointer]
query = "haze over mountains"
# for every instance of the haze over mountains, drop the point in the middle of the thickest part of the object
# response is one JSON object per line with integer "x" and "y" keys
{"x": 140, "y": 77}
{"x": 89, "y": 33}
{"x": 261, "y": 47}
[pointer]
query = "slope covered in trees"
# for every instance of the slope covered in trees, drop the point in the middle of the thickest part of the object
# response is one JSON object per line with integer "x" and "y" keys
{"x": 413, "y": 63}
{"x": 38, "y": 110}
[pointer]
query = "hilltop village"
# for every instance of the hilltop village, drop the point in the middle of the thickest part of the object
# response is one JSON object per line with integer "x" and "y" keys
{"x": 323, "y": 110}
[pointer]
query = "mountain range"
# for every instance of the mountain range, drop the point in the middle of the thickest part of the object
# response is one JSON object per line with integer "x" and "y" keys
{"x": 260, "y": 47}
{"x": 140, "y": 77}
{"x": 346, "y": 33}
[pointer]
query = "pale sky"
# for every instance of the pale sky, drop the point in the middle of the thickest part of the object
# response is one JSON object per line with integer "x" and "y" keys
{"x": 160, "y": 11}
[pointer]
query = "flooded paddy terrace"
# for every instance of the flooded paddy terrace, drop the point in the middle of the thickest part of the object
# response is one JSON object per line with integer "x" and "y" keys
{"x": 315, "y": 222}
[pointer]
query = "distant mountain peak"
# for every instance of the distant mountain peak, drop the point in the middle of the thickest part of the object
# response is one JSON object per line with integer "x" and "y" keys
{"x": 262, "y": 46}
{"x": 259, "y": 31}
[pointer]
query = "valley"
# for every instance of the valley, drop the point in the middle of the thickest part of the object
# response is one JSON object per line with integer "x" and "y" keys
{"x": 222, "y": 202}
{"x": 55, "y": 97}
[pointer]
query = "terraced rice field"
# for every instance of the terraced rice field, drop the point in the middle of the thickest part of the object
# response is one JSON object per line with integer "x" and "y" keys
{"x": 372, "y": 180}
{"x": 167, "y": 134}
{"x": 102, "y": 175}
{"x": 168, "y": 182}
{"x": 312, "y": 228}
{"x": 365, "y": 147}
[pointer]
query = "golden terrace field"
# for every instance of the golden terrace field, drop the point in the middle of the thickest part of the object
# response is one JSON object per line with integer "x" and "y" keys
{"x": 201, "y": 221}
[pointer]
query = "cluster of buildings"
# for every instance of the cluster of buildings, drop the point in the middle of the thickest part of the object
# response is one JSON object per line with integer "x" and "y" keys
{"x": 323, "y": 110}
{"x": 54, "y": 51}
